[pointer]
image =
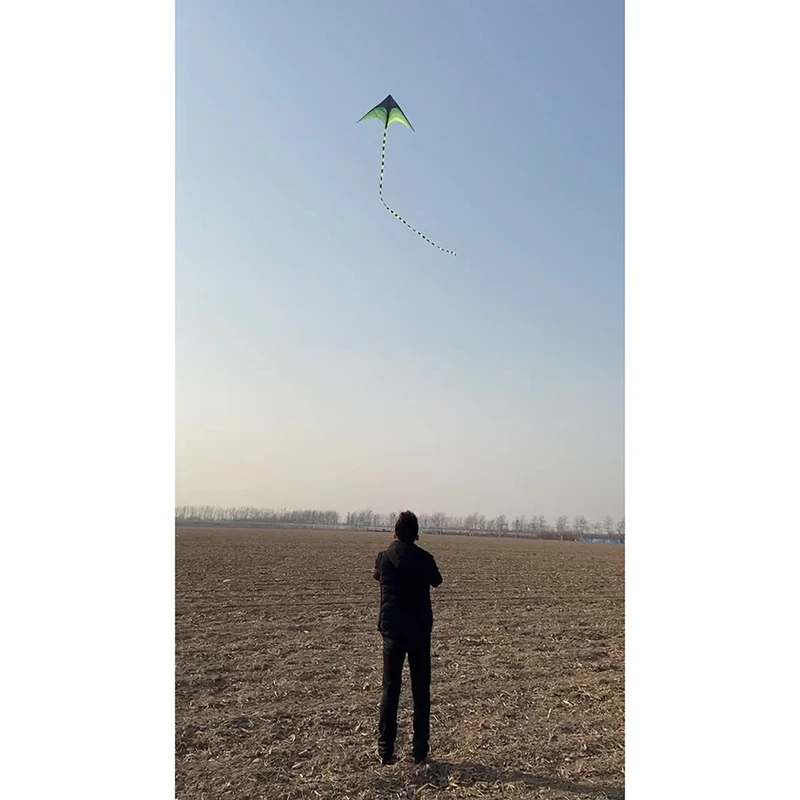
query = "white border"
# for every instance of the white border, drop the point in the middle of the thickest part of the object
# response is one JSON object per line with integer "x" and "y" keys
{"x": 712, "y": 260}
{"x": 87, "y": 316}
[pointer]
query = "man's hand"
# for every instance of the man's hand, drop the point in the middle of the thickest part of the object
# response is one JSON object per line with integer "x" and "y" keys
{"x": 435, "y": 577}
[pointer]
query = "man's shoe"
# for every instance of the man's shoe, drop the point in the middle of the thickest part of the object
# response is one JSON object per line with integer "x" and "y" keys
{"x": 385, "y": 758}
{"x": 419, "y": 758}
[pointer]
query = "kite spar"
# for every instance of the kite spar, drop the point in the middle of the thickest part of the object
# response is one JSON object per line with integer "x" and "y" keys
{"x": 388, "y": 112}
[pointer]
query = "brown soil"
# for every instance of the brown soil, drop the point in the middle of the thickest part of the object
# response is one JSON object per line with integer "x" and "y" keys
{"x": 278, "y": 669}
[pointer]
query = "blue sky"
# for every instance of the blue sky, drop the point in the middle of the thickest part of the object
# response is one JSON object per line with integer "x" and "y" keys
{"x": 329, "y": 358}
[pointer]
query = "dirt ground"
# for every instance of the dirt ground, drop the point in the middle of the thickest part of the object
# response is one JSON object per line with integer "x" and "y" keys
{"x": 278, "y": 669}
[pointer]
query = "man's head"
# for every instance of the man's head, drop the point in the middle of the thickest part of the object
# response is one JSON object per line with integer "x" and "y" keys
{"x": 406, "y": 529}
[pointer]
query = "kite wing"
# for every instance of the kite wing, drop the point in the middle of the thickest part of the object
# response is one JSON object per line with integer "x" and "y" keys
{"x": 379, "y": 113}
{"x": 388, "y": 112}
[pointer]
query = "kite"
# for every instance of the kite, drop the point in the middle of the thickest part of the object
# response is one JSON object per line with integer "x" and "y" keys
{"x": 388, "y": 112}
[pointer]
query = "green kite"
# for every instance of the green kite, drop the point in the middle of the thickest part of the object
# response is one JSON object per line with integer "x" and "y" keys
{"x": 388, "y": 112}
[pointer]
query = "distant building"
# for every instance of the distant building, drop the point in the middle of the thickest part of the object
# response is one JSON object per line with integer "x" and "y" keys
{"x": 600, "y": 540}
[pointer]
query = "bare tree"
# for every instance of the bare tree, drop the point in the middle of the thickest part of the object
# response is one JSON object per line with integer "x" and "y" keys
{"x": 438, "y": 520}
{"x": 538, "y": 525}
{"x": 499, "y": 524}
{"x": 581, "y": 526}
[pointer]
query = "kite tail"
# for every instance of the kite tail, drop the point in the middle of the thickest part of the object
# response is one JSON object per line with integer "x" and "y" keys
{"x": 391, "y": 211}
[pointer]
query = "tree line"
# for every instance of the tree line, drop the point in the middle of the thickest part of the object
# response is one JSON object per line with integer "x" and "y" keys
{"x": 535, "y": 526}
{"x": 218, "y": 514}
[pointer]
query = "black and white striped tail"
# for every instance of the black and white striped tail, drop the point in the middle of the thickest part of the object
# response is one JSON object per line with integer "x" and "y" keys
{"x": 392, "y": 211}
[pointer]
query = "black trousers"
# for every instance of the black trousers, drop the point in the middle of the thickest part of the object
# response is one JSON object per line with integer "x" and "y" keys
{"x": 395, "y": 650}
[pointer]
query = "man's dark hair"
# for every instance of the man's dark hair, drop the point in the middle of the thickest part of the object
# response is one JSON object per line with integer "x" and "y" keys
{"x": 407, "y": 527}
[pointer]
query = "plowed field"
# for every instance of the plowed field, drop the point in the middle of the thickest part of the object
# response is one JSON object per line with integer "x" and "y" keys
{"x": 278, "y": 669}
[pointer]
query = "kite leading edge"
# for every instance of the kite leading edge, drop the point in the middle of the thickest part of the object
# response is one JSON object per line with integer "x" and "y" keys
{"x": 388, "y": 112}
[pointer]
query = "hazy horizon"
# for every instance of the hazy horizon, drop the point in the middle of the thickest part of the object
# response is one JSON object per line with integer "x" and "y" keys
{"x": 389, "y": 517}
{"x": 327, "y": 357}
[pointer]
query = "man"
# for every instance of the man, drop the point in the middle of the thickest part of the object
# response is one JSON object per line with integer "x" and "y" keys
{"x": 406, "y": 573}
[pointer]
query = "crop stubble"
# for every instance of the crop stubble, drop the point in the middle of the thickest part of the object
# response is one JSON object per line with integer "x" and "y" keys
{"x": 278, "y": 669}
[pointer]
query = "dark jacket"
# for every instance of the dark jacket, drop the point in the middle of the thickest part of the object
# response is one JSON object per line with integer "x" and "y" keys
{"x": 406, "y": 573}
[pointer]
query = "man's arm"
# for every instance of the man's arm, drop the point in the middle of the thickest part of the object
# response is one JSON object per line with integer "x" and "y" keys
{"x": 436, "y": 578}
{"x": 376, "y": 573}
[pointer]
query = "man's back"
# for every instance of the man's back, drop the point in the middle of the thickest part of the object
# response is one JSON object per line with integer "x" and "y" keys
{"x": 406, "y": 573}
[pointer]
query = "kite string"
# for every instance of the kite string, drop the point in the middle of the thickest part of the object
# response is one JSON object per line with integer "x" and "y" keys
{"x": 392, "y": 211}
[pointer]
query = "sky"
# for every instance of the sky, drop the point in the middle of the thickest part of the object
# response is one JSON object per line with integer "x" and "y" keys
{"x": 329, "y": 358}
